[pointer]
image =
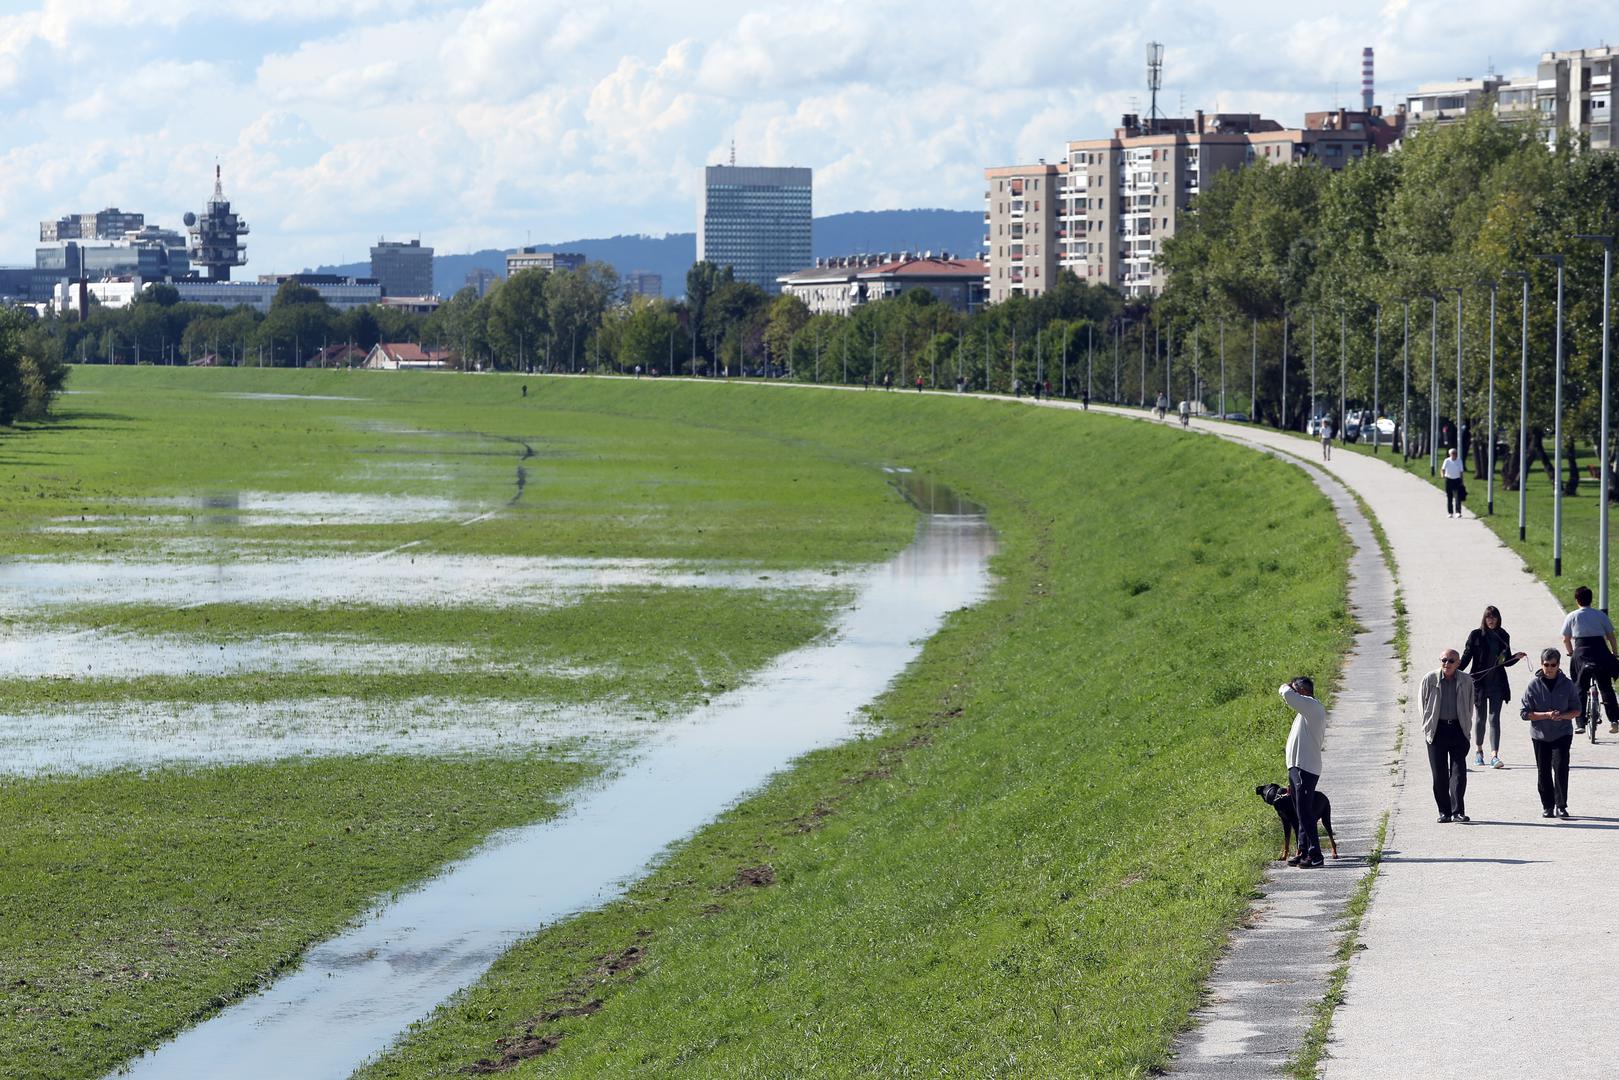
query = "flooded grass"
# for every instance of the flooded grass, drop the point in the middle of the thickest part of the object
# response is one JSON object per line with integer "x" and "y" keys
{"x": 138, "y": 902}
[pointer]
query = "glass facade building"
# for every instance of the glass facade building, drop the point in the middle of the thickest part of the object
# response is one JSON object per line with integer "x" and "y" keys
{"x": 757, "y": 221}
{"x": 405, "y": 269}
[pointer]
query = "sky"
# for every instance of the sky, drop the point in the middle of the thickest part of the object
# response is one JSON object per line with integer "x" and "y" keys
{"x": 493, "y": 123}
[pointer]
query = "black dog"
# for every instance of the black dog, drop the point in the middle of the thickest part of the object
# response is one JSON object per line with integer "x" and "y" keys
{"x": 1281, "y": 799}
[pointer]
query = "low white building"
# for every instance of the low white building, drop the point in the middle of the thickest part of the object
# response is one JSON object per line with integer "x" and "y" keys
{"x": 838, "y": 286}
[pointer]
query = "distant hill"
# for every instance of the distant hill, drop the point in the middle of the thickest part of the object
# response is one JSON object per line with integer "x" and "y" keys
{"x": 959, "y": 232}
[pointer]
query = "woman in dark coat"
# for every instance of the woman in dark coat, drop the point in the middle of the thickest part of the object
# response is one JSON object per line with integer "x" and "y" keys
{"x": 1489, "y": 651}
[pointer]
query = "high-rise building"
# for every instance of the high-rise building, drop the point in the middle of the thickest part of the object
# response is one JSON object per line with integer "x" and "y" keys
{"x": 216, "y": 237}
{"x": 1107, "y": 209}
{"x": 404, "y": 268}
{"x": 1574, "y": 91}
{"x": 109, "y": 224}
{"x": 643, "y": 283}
{"x": 757, "y": 221}
{"x": 481, "y": 280}
{"x": 531, "y": 258}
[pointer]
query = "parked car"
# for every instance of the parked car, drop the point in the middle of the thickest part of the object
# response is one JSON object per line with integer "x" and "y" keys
{"x": 1241, "y": 418}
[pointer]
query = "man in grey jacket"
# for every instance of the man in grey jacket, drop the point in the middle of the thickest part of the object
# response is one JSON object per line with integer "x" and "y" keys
{"x": 1446, "y": 698}
{"x": 1304, "y": 763}
{"x": 1550, "y": 703}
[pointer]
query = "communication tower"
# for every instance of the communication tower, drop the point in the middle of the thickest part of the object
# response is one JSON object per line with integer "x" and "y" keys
{"x": 216, "y": 237}
{"x": 1155, "y": 82}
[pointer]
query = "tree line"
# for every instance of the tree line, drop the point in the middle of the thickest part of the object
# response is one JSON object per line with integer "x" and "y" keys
{"x": 1376, "y": 257}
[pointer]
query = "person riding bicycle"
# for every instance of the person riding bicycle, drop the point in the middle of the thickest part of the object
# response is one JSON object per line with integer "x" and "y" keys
{"x": 1186, "y": 413}
{"x": 1588, "y": 640}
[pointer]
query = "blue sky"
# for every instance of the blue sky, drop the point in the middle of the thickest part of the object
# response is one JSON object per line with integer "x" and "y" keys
{"x": 486, "y": 123}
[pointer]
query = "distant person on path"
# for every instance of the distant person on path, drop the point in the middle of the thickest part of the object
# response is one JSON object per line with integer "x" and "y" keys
{"x": 1037, "y": 389}
{"x": 1186, "y": 413}
{"x": 1454, "y": 490}
{"x": 525, "y": 389}
{"x": 1017, "y": 387}
{"x": 1085, "y": 400}
{"x": 1588, "y": 640}
{"x": 1326, "y": 438}
{"x": 1489, "y": 650}
{"x": 1304, "y": 741}
{"x": 1162, "y": 405}
{"x": 919, "y": 384}
{"x": 1549, "y": 703}
{"x": 961, "y": 385}
{"x": 1446, "y": 699}
{"x": 1048, "y": 389}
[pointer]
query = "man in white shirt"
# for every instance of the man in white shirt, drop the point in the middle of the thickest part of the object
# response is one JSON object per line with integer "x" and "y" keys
{"x": 1326, "y": 438}
{"x": 1452, "y": 468}
{"x": 1304, "y": 763}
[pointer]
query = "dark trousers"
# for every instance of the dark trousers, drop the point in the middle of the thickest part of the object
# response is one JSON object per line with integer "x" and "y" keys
{"x": 1591, "y": 663}
{"x": 1447, "y": 758}
{"x": 1303, "y": 786}
{"x": 1453, "y": 495}
{"x": 1551, "y": 769}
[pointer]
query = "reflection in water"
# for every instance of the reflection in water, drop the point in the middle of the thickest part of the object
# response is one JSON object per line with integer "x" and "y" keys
{"x": 353, "y": 995}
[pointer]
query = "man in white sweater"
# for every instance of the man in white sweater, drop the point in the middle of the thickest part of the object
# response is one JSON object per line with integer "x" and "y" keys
{"x": 1304, "y": 763}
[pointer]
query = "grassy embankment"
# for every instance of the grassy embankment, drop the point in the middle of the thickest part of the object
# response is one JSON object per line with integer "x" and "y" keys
{"x": 133, "y": 903}
{"x": 1031, "y": 868}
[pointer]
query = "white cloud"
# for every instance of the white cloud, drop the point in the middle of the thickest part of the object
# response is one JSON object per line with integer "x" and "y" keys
{"x": 485, "y": 122}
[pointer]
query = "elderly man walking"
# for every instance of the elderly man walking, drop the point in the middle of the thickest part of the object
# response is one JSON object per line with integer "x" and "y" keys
{"x": 1446, "y": 698}
{"x": 1304, "y": 741}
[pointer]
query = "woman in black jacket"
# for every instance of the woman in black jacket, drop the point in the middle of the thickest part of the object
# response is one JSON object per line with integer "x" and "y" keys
{"x": 1489, "y": 650}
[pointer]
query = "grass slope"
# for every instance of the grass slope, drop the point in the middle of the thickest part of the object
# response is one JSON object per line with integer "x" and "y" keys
{"x": 1031, "y": 869}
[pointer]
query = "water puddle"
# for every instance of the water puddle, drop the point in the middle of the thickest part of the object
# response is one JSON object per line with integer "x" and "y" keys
{"x": 96, "y": 738}
{"x": 397, "y": 578}
{"x": 96, "y": 654}
{"x": 354, "y": 994}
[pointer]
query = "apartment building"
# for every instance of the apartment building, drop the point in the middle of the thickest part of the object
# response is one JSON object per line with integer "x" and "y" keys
{"x": 1020, "y": 229}
{"x": 532, "y": 258}
{"x": 1118, "y": 199}
{"x": 1571, "y": 90}
{"x": 1574, "y": 91}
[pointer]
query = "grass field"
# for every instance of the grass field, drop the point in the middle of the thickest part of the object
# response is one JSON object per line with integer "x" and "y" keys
{"x": 1028, "y": 868}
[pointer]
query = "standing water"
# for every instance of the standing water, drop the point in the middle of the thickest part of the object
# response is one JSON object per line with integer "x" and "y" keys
{"x": 353, "y": 995}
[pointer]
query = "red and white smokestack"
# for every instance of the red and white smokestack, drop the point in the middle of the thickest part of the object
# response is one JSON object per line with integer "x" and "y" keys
{"x": 1366, "y": 78}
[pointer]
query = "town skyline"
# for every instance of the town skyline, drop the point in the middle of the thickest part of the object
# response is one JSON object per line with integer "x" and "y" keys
{"x": 492, "y": 124}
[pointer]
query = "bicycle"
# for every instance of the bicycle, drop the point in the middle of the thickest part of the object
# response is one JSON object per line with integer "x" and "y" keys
{"x": 1593, "y": 709}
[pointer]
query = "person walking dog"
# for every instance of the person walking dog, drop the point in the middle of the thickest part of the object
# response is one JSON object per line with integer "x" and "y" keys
{"x": 1489, "y": 650}
{"x": 1455, "y": 490}
{"x": 1550, "y": 703}
{"x": 1304, "y": 763}
{"x": 1446, "y": 699}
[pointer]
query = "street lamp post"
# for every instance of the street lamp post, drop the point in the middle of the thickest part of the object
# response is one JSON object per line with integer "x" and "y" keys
{"x": 1405, "y": 383}
{"x": 1222, "y": 367}
{"x": 1557, "y": 428}
{"x": 1523, "y": 402}
{"x": 1377, "y": 361}
{"x": 1343, "y": 377}
{"x": 1253, "y": 386}
{"x": 1461, "y": 426}
{"x": 1602, "y": 515}
{"x": 1433, "y": 383}
{"x": 1310, "y": 412}
{"x": 1489, "y": 480}
{"x": 1283, "y": 416}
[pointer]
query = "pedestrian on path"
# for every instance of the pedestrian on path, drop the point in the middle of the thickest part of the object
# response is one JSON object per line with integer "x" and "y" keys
{"x": 1550, "y": 702}
{"x": 1588, "y": 640}
{"x": 1162, "y": 405}
{"x": 1446, "y": 698}
{"x": 1489, "y": 651}
{"x": 1455, "y": 490}
{"x": 1304, "y": 763}
{"x": 1085, "y": 400}
{"x": 1326, "y": 438}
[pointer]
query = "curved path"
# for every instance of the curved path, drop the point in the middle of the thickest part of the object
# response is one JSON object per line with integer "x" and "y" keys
{"x": 1486, "y": 949}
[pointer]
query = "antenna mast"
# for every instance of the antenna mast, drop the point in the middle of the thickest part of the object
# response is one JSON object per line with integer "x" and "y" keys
{"x": 1155, "y": 82}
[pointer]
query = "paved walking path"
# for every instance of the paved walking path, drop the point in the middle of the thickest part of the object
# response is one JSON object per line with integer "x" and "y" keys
{"x": 1487, "y": 950}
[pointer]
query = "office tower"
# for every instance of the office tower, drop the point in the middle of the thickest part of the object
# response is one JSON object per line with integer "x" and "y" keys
{"x": 757, "y": 221}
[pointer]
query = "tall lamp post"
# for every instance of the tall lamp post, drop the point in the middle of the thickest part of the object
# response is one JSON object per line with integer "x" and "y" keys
{"x": 1557, "y": 428}
{"x": 1433, "y": 383}
{"x": 1489, "y": 481}
{"x": 1343, "y": 378}
{"x": 1253, "y": 385}
{"x": 1602, "y": 518}
{"x": 1523, "y": 401}
{"x": 1283, "y": 416}
{"x": 1222, "y": 367}
{"x": 1311, "y": 410}
{"x": 1405, "y": 384}
{"x": 1377, "y": 364}
{"x": 1461, "y": 426}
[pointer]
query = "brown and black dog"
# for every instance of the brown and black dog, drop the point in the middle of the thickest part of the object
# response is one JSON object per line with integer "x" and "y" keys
{"x": 1281, "y": 799}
